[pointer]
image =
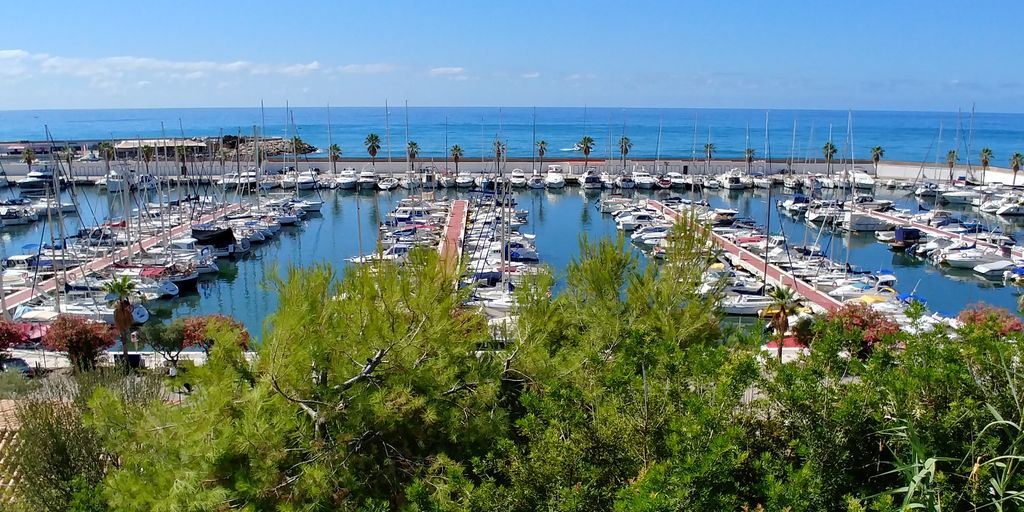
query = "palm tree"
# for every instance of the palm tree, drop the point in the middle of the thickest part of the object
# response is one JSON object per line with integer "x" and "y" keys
{"x": 542, "y": 147}
{"x": 709, "y": 151}
{"x": 297, "y": 144}
{"x": 372, "y": 144}
{"x": 67, "y": 155}
{"x": 986, "y": 155}
{"x": 624, "y": 146}
{"x": 29, "y": 157}
{"x": 333, "y": 154}
{"x": 499, "y": 149}
{"x": 147, "y": 156}
{"x": 413, "y": 150}
{"x": 1016, "y": 161}
{"x": 456, "y": 153}
{"x": 106, "y": 151}
{"x": 784, "y": 302}
{"x": 829, "y": 151}
{"x": 951, "y": 159}
{"x": 877, "y": 153}
{"x": 585, "y": 146}
{"x": 119, "y": 291}
{"x": 748, "y": 156}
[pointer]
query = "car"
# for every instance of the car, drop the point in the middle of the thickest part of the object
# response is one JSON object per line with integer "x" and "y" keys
{"x": 17, "y": 364}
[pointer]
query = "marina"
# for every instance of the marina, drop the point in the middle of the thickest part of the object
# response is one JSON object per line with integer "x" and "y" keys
{"x": 564, "y": 212}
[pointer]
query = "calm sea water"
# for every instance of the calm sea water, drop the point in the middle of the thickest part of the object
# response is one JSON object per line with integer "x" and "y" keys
{"x": 557, "y": 218}
{"x": 904, "y": 135}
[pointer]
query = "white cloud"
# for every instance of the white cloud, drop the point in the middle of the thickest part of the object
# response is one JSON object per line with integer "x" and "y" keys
{"x": 446, "y": 71}
{"x": 106, "y": 69}
{"x": 142, "y": 83}
{"x": 531, "y": 75}
{"x": 366, "y": 69}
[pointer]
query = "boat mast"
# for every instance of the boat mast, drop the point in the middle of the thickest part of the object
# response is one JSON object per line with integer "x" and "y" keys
{"x": 387, "y": 130}
{"x": 533, "y": 145}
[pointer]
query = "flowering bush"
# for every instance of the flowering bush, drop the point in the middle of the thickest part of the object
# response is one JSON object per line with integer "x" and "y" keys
{"x": 199, "y": 331}
{"x": 866, "y": 326}
{"x": 998, "y": 320}
{"x": 11, "y": 335}
{"x": 82, "y": 339}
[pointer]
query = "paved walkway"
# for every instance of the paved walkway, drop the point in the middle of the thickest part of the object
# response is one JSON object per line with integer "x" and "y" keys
{"x": 756, "y": 265}
{"x": 450, "y": 247}
{"x": 20, "y": 297}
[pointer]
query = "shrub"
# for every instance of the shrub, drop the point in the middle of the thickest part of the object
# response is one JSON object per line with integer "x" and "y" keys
{"x": 198, "y": 331}
{"x": 11, "y": 335}
{"x": 997, "y": 320}
{"x": 863, "y": 327}
{"x": 82, "y": 339}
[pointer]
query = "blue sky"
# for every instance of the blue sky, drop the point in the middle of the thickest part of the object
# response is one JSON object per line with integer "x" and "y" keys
{"x": 897, "y": 55}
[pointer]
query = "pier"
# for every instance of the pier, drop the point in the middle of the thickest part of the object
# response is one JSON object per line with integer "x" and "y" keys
{"x": 1014, "y": 252}
{"x": 759, "y": 267}
{"x": 20, "y": 297}
{"x": 450, "y": 247}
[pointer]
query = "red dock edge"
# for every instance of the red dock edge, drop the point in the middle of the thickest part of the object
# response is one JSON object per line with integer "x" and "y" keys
{"x": 451, "y": 244}
{"x": 756, "y": 264}
{"x": 18, "y": 298}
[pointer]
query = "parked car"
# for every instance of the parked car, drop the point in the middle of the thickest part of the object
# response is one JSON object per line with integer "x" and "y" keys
{"x": 17, "y": 364}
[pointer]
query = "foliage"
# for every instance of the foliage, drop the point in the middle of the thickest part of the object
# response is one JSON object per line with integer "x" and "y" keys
{"x": 60, "y": 459}
{"x": 995, "y": 321}
{"x": 863, "y": 327}
{"x": 379, "y": 390}
{"x": 11, "y": 335}
{"x": 372, "y": 144}
{"x": 83, "y": 340}
{"x": 203, "y": 331}
{"x": 168, "y": 340}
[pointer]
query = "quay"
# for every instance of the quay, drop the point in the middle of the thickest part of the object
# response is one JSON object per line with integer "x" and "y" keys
{"x": 759, "y": 267}
{"x": 20, "y": 297}
{"x": 450, "y": 247}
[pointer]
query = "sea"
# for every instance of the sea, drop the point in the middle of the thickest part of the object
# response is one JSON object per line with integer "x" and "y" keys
{"x": 654, "y": 132}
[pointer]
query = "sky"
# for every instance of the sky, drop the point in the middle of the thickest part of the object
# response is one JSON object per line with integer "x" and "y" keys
{"x": 864, "y": 55}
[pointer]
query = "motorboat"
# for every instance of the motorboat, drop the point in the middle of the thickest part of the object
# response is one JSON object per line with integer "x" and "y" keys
{"x": 861, "y": 179}
{"x": 744, "y": 305}
{"x": 464, "y": 180}
{"x": 644, "y": 180}
{"x": 535, "y": 182}
{"x": 625, "y": 182}
{"x": 348, "y": 179}
{"x": 554, "y": 178}
{"x": 367, "y": 180}
{"x": 517, "y": 179}
{"x": 856, "y": 221}
{"x": 591, "y": 180}
{"x": 387, "y": 183}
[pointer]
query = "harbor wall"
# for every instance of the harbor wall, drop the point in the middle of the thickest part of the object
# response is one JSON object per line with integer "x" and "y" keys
{"x": 886, "y": 169}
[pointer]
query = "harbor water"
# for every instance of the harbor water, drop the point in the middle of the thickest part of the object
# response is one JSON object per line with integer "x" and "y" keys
{"x": 348, "y": 222}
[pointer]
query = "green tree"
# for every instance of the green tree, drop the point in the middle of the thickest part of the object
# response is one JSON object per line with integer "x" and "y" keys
{"x": 166, "y": 339}
{"x": 28, "y": 156}
{"x": 412, "y": 150}
{"x": 748, "y": 157}
{"x": 585, "y": 146}
{"x": 877, "y": 152}
{"x": 456, "y": 153}
{"x": 372, "y": 144}
{"x": 829, "y": 152}
{"x": 952, "y": 157}
{"x": 334, "y": 154}
{"x": 119, "y": 291}
{"x": 784, "y": 303}
{"x": 1016, "y": 161}
{"x": 624, "y": 146}
{"x": 986, "y": 157}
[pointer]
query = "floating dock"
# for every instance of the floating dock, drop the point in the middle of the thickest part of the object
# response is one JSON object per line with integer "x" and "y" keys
{"x": 759, "y": 267}
{"x": 450, "y": 247}
{"x": 1014, "y": 252}
{"x": 20, "y": 297}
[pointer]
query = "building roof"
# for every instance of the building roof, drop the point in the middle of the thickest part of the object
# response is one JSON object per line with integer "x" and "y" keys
{"x": 166, "y": 143}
